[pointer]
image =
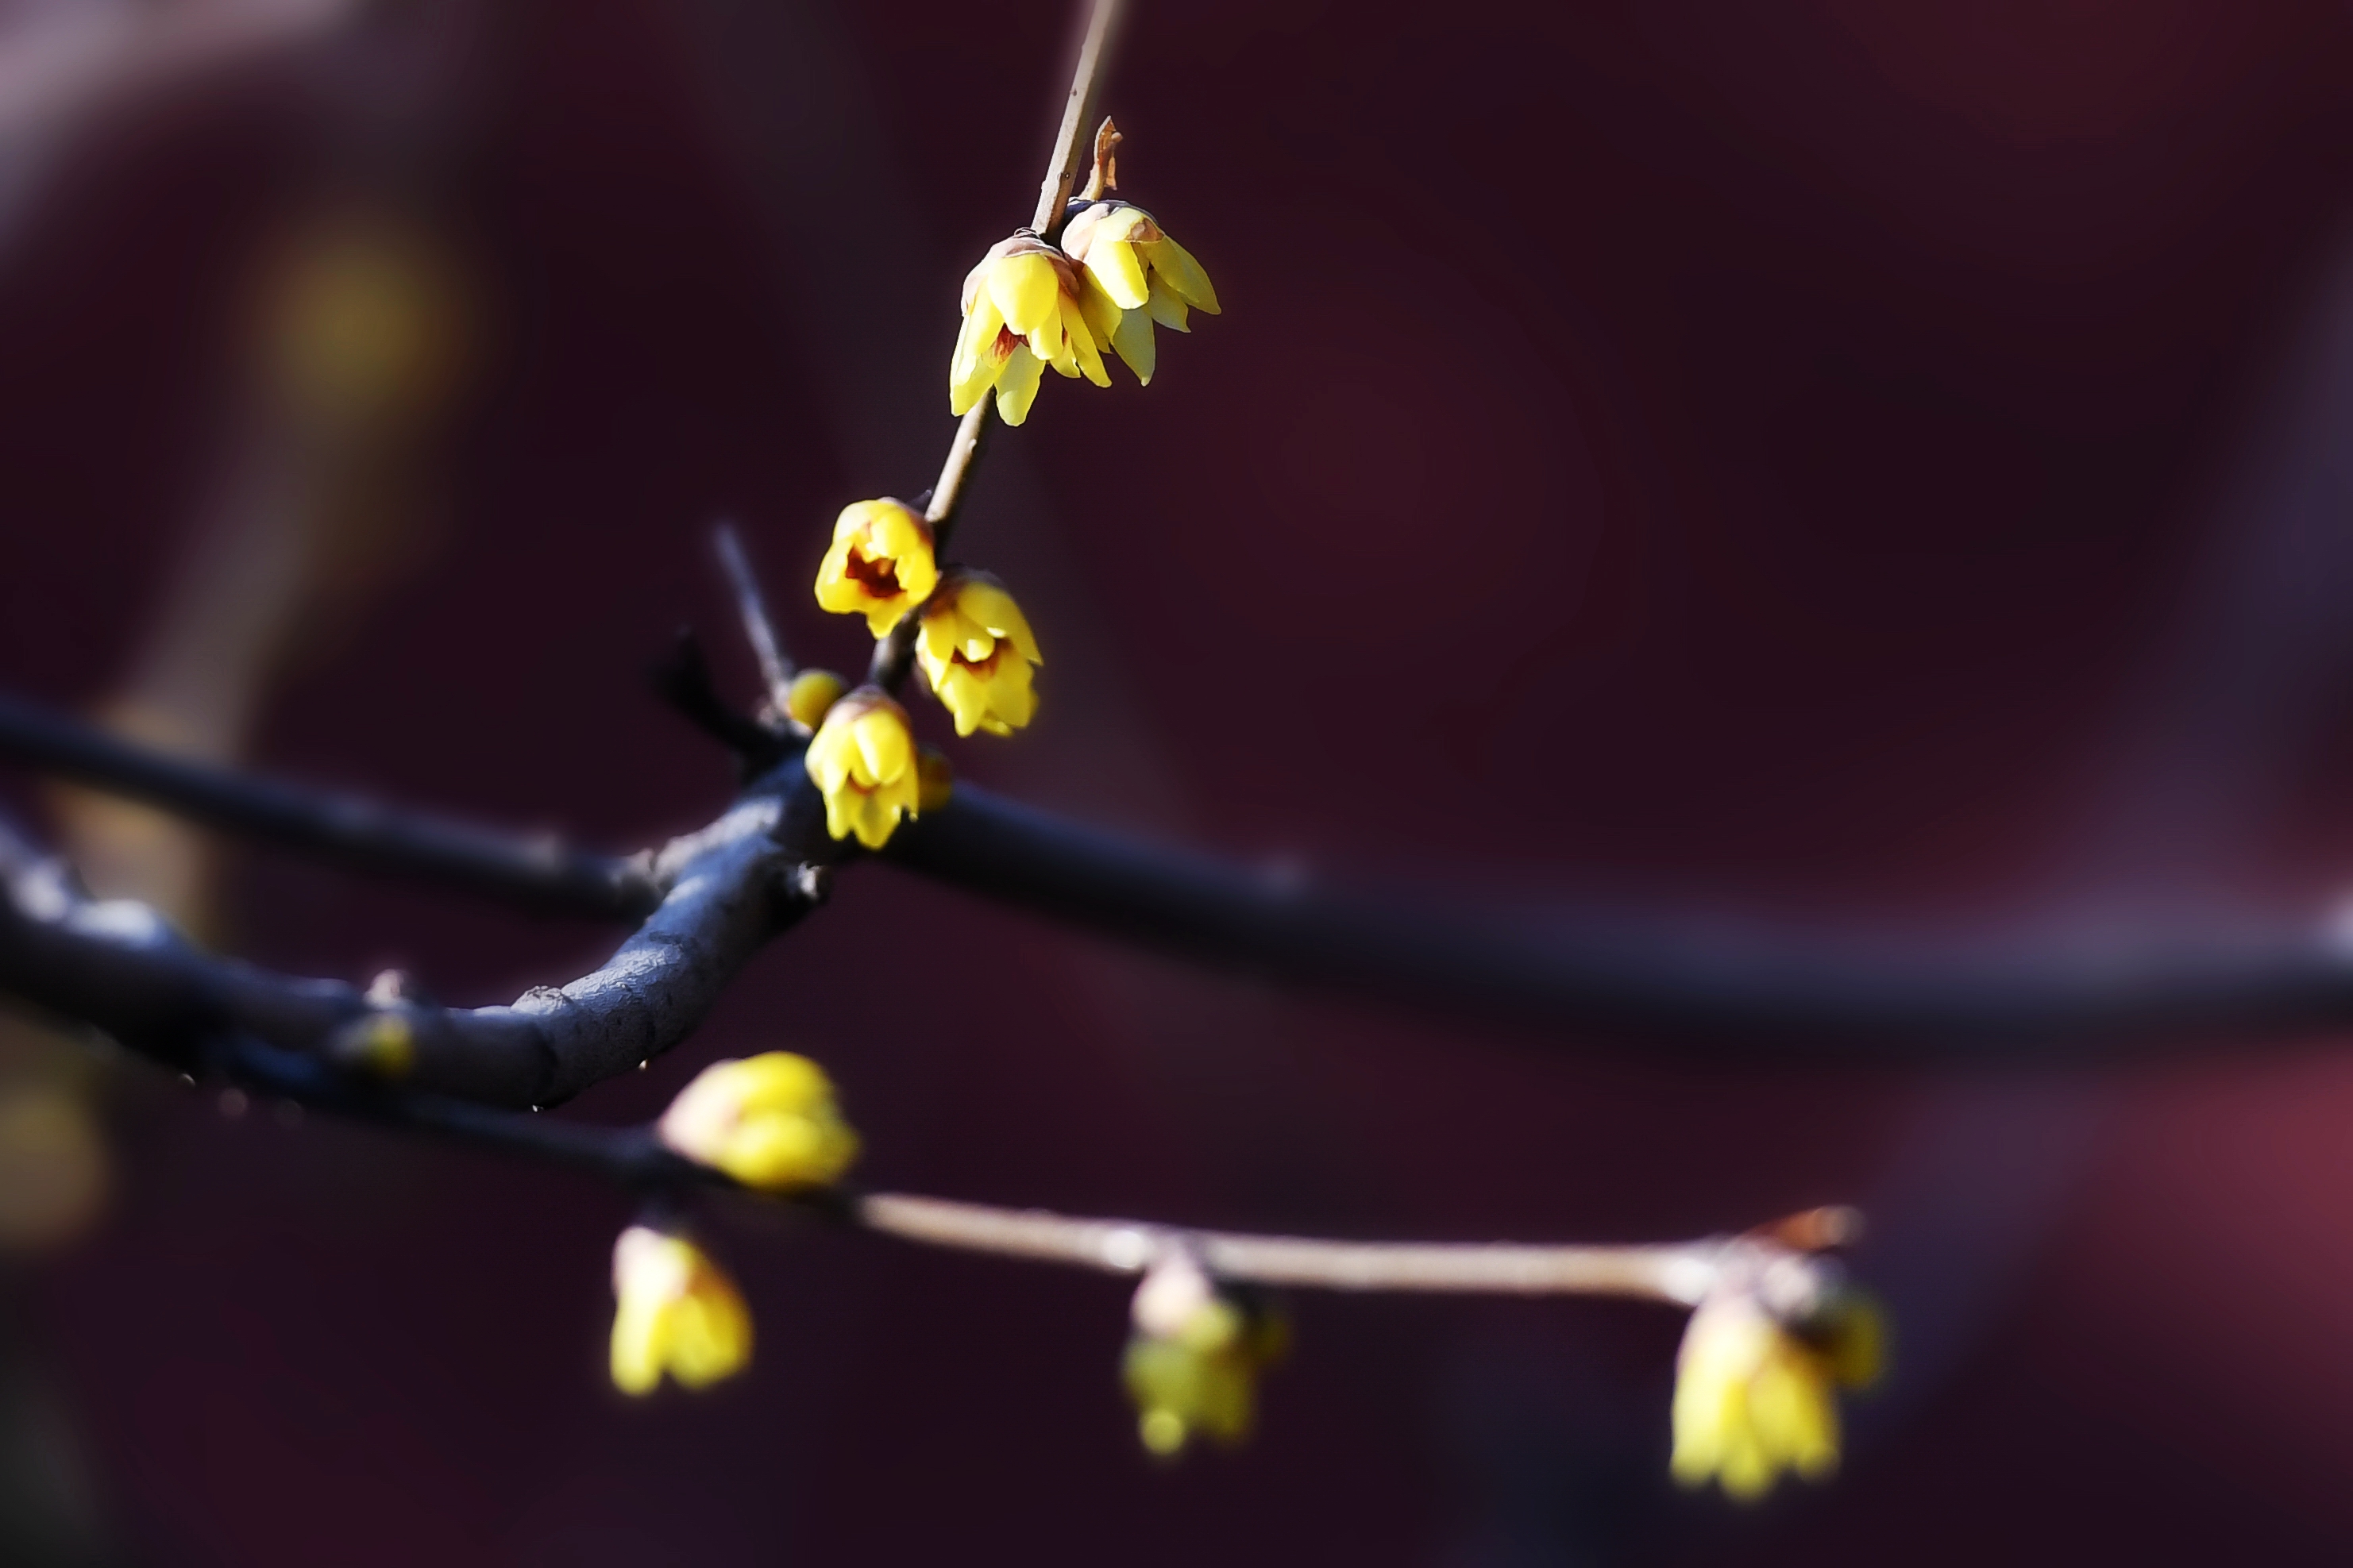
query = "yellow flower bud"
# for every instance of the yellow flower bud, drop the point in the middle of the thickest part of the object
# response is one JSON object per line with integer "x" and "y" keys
{"x": 1192, "y": 1366}
{"x": 1021, "y": 313}
{"x": 812, "y": 692}
{"x": 1754, "y": 1395}
{"x": 976, "y": 650}
{"x": 935, "y": 779}
{"x": 382, "y": 1044}
{"x": 677, "y": 1312}
{"x": 1132, "y": 275}
{"x": 768, "y": 1121}
{"x": 862, "y": 760}
{"x": 881, "y": 564}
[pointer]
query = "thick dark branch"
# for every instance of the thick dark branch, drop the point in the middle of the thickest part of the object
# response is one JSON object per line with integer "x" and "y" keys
{"x": 1769, "y": 993}
{"x": 1766, "y": 994}
{"x": 541, "y": 874}
{"x": 728, "y": 888}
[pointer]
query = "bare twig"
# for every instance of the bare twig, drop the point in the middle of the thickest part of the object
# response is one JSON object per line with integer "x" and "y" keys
{"x": 539, "y": 874}
{"x": 1072, "y": 146}
{"x": 684, "y": 681}
{"x": 1679, "y": 1273}
{"x": 775, "y": 669}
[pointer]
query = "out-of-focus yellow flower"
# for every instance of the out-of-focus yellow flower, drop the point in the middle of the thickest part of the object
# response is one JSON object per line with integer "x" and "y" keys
{"x": 935, "y": 778}
{"x": 811, "y": 694}
{"x": 54, "y": 1171}
{"x": 382, "y": 1044}
{"x": 1754, "y": 1397}
{"x": 1021, "y": 313}
{"x": 678, "y": 1313}
{"x": 769, "y": 1120}
{"x": 862, "y": 760}
{"x": 1192, "y": 1365}
{"x": 881, "y": 564}
{"x": 1133, "y": 275}
{"x": 976, "y": 650}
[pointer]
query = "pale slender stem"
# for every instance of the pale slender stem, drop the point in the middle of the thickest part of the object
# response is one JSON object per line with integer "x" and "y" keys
{"x": 1074, "y": 153}
{"x": 1072, "y": 146}
{"x": 1679, "y": 1273}
{"x": 775, "y": 669}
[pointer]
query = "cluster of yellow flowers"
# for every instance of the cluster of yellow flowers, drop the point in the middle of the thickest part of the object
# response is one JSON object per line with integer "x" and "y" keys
{"x": 1755, "y": 1378}
{"x": 1030, "y": 304}
{"x": 771, "y": 1123}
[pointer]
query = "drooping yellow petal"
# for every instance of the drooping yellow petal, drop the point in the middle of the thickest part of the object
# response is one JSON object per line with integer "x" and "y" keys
{"x": 1082, "y": 344}
{"x": 1102, "y": 313}
{"x": 1132, "y": 340}
{"x": 1025, "y": 287}
{"x": 1166, "y": 308}
{"x": 1115, "y": 265}
{"x": 1174, "y": 265}
{"x": 1017, "y": 385}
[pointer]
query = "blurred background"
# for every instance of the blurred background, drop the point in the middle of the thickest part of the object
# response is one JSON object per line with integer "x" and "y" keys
{"x": 1817, "y": 462}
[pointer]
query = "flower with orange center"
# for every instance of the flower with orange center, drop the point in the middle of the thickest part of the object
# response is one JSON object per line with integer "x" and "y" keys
{"x": 862, "y": 761}
{"x": 976, "y": 650}
{"x": 1021, "y": 313}
{"x": 677, "y": 1313}
{"x": 1130, "y": 276}
{"x": 881, "y": 565}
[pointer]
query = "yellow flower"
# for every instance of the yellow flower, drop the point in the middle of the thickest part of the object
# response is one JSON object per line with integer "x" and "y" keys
{"x": 1133, "y": 275}
{"x": 976, "y": 650}
{"x": 862, "y": 760}
{"x": 1192, "y": 1365}
{"x": 1021, "y": 313}
{"x": 881, "y": 565}
{"x": 811, "y": 694}
{"x": 768, "y": 1121}
{"x": 678, "y": 1313}
{"x": 1754, "y": 1395}
{"x": 935, "y": 778}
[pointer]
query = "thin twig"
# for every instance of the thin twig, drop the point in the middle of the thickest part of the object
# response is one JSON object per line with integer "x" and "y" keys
{"x": 775, "y": 669}
{"x": 540, "y": 874}
{"x": 1679, "y": 1273}
{"x": 1073, "y": 147}
{"x": 634, "y": 1156}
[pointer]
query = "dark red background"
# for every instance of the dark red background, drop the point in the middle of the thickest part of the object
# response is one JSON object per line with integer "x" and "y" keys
{"x": 1818, "y": 460}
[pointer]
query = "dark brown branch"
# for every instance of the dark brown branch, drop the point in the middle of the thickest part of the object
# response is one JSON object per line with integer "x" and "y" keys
{"x": 540, "y": 875}
{"x": 1771, "y": 994}
{"x": 1767, "y": 993}
{"x": 726, "y": 891}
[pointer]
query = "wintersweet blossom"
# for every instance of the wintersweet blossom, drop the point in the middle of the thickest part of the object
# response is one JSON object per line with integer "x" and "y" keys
{"x": 677, "y": 1312}
{"x": 811, "y": 694}
{"x": 1753, "y": 1391}
{"x": 1021, "y": 314}
{"x": 1193, "y": 1362}
{"x": 769, "y": 1120}
{"x": 1133, "y": 275}
{"x": 881, "y": 564}
{"x": 977, "y": 651}
{"x": 862, "y": 761}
